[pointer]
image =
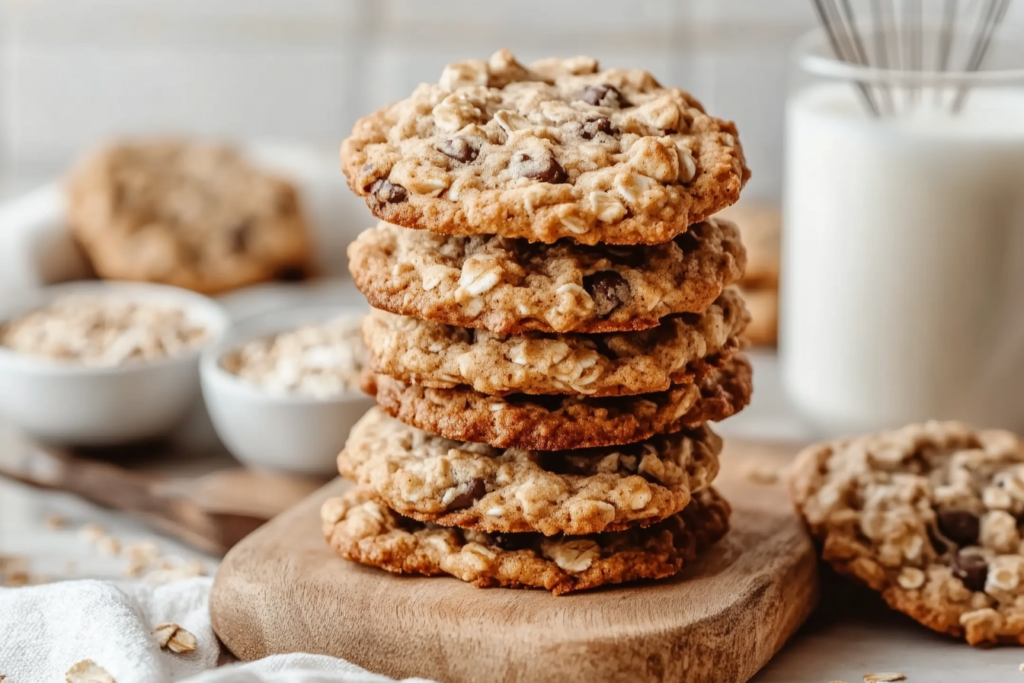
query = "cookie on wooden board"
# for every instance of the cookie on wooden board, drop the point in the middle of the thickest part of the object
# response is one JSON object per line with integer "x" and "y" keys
{"x": 475, "y": 486}
{"x": 559, "y": 149}
{"x": 360, "y": 529}
{"x": 682, "y": 349}
{"x": 509, "y": 286}
{"x": 564, "y": 422}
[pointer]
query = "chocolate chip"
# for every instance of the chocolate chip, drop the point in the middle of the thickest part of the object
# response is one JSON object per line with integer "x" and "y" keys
{"x": 608, "y": 289}
{"x": 460, "y": 149}
{"x": 476, "y": 490}
{"x": 515, "y": 541}
{"x": 545, "y": 169}
{"x": 595, "y": 126}
{"x": 292, "y": 274}
{"x": 240, "y": 237}
{"x": 959, "y": 526}
{"x": 604, "y": 95}
{"x": 972, "y": 570}
{"x": 388, "y": 192}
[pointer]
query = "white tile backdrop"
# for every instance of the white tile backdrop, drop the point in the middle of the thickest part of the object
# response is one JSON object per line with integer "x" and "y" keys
{"x": 74, "y": 71}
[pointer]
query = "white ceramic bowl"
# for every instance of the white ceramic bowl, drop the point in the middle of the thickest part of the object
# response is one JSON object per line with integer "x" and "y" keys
{"x": 88, "y": 406}
{"x": 290, "y": 433}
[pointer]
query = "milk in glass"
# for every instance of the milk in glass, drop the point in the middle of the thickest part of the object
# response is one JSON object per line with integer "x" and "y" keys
{"x": 903, "y": 261}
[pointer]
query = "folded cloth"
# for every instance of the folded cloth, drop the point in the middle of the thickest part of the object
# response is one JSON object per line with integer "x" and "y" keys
{"x": 45, "y": 630}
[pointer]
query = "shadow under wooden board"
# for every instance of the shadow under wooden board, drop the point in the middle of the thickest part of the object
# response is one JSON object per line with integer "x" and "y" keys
{"x": 283, "y": 590}
{"x": 202, "y": 497}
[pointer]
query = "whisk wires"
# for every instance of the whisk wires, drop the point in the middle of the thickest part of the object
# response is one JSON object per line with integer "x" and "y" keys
{"x": 900, "y": 39}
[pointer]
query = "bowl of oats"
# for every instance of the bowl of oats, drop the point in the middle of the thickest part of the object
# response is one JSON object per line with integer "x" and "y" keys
{"x": 103, "y": 363}
{"x": 283, "y": 390}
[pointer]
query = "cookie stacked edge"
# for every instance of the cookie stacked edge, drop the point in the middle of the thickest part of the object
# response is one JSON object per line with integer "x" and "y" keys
{"x": 554, "y": 327}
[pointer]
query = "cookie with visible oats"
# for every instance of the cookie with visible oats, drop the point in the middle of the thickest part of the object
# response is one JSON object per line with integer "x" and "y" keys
{"x": 551, "y": 423}
{"x": 559, "y": 149}
{"x": 681, "y": 350}
{"x": 928, "y": 516}
{"x": 192, "y": 214}
{"x": 475, "y": 486}
{"x": 511, "y": 286}
{"x": 360, "y": 529}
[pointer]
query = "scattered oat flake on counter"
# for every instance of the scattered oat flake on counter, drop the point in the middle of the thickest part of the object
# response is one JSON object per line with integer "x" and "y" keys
{"x": 88, "y": 671}
{"x": 761, "y": 474}
{"x": 891, "y": 677}
{"x": 313, "y": 360}
{"x": 55, "y": 522}
{"x": 174, "y": 638}
{"x": 91, "y": 533}
{"x": 96, "y": 331}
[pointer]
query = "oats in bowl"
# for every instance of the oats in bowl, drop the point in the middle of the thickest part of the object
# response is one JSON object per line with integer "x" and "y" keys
{"x": 319, "y": 361}
{"x": 103, "y": 331}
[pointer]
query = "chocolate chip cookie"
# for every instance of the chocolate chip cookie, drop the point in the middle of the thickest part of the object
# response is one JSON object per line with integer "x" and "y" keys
{"x": 683, "y": 348}
{"x": 547, "y": 423}
{"x": 559, "y": 149}
{"x": 930, "y": 517}
{"x": 511, "y": 286}
{"x": 475, "y": 486}
{"x": 360, "y": 529}
{"x": 185, "y": 213}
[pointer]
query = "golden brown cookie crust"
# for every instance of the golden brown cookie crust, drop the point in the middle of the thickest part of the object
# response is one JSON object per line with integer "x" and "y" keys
{"x": 509, "y": 286}
{"x": 612, "y": 364}
{"x": 557, "y": 150}
{"x": 927, "y": 516}
{"x": 361, "y": 530}
{"x": 186, "y": 213}
{"x": 564, "y": 422}
{"x": 474, "y": 486}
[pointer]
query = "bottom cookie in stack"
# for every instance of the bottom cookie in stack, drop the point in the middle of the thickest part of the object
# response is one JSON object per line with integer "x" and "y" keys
{"x": 562, "y": 520}
{"x": 360, "y": 529}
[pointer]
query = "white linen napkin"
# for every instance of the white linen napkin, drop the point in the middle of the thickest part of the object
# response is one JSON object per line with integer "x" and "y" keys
{"x": 45, "y": 630}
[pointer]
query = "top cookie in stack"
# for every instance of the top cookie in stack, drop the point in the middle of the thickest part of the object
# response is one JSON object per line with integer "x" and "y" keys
{"x": 549, "y": 280}
{"x": 556, "y": 150}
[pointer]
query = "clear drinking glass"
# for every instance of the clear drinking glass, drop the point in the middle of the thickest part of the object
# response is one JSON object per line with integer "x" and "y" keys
{"x": 903, "y": 247}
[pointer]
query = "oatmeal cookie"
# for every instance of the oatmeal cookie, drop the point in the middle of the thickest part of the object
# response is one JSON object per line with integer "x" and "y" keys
{"x": 681, "y": 350}
{"x": 475, "y": 486}
{"x": 928, "y": 516}
{"x": 362, "y": 530}
{"x": 511, "y": 286}
{"x": 192, "y": 214}
{"x": 549, "y": 423}
{"x": 557, "y": 150}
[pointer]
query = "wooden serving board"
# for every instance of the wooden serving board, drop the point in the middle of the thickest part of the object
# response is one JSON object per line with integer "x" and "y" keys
{"x": 283, "y": 590}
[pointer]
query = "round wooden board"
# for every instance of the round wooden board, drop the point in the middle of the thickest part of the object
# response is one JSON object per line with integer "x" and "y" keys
{"x": 282, "y": 590}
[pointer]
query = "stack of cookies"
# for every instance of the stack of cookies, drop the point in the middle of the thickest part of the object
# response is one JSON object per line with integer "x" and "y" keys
{"x": 553, "y": 327}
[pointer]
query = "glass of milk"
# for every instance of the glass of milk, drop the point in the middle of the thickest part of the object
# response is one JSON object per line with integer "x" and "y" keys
{"x": 903, "y": 246}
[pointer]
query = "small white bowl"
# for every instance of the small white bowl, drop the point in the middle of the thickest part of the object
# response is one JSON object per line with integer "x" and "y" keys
{"x": 283, "y": 432}
{"x": 75, "y": 405}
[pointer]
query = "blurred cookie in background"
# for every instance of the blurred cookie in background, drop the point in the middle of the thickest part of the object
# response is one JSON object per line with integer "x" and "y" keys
{"x": 193, "y": 214}
{"x": 760, "y": 227}
{"x": 763, "y": 306}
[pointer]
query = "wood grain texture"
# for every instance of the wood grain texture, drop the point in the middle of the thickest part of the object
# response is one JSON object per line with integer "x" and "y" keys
{"x": 283, "y": 590}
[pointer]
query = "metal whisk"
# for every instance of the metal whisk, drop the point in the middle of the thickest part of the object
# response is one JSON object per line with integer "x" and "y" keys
{"x": 903, "y": 37}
